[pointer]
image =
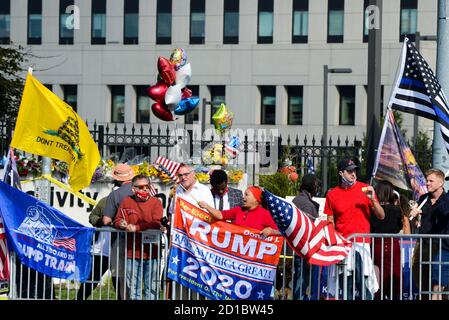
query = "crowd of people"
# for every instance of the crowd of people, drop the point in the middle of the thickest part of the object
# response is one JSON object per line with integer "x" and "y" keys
{"x": 373, "y": 268}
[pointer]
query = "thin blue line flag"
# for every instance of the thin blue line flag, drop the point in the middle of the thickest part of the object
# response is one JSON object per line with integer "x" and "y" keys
{"x": 44, "y": 238}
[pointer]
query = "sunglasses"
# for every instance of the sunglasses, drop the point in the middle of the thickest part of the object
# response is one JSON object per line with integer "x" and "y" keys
{"x": 180, "y": 175}
{"x": 142, "y": 187}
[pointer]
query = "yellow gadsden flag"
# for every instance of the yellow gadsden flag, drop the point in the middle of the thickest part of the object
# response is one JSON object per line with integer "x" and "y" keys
{"x": 49, "y": 127}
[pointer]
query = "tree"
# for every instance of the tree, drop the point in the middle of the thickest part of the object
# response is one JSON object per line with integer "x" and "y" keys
{"x": 11, "y": 83}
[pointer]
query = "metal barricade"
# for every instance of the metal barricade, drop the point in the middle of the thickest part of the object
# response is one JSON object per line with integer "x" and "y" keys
{"x": 124, "y": 266}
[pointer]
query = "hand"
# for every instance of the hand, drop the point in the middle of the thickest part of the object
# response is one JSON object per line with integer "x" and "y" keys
{"x": 131, "y": 228}
{"x": 369, "y": 191}
{"x": 266, "y": 232}
{"x": 202, "y": 204}
{"x": 123, "y": 224}
{"x": 415, "y": 212}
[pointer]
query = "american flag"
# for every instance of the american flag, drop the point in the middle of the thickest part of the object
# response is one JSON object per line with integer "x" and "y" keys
{"x": 315, "y": 241}
{"x": 4, "y": 259}
{"x": 418, "y": 91}
{"x": 153, "y": 190}
{"x": 67, "y": 243}
{"x": 168, "y": 166}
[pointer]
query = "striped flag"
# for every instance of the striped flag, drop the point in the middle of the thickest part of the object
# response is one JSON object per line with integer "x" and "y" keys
{"x": 67, "y": 243}
{"x": 168, "y": 166}
{"x": 418, "y": 91}
{"x": 317, "y": 242}
{"x": 153, "y": 190}
{"x": 4, "y": 258}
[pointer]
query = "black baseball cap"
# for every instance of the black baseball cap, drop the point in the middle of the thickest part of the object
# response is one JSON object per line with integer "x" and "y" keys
{"x": 346, "y": 164}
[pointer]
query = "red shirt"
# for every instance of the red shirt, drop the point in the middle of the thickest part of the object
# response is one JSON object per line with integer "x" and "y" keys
{"x": 144, "y": 215}
{"x": 257, "y": 218}
{"x": 350, "y": 208}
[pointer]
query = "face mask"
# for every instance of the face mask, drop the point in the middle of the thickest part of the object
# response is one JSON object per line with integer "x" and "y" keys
{"x": 143, "y": 195}
{"x": 347, "y": 184}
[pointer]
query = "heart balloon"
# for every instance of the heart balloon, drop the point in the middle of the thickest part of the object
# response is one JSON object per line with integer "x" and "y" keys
{"x": 183, "y": 75}
{"x": 162, "y": 112}
{"x": 166, "y": 70}
{"x": 157, "y": 92}
{"x": 186, "y": 93}
{"x": 186, "y": 105}
{"x": 173, "y": 96}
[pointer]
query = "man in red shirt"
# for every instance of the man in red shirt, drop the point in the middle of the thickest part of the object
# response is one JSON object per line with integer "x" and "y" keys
{"x": 348, "y": 207}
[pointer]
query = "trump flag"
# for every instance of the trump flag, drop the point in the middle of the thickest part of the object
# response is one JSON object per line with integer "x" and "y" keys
{"x": 315, "y": 241}
{"x": 49, "y": 127}
{"x": 43, "y": 238}
{"x": 219, "y": 260}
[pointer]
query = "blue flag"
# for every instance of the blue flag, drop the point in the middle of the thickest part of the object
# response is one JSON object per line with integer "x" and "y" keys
{"x": 44, "y": 238}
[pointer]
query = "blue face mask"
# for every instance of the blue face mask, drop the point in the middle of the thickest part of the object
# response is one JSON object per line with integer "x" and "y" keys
{"x": 346, "y": 184}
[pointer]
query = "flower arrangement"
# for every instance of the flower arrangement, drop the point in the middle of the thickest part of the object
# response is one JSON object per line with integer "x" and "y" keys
{"x": 215, "y": 155}
{"x": 28, "y": 165}
{"x": 235, "y": 175}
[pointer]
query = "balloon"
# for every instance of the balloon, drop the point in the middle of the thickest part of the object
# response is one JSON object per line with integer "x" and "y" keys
{"x": 232, "y": 146}
{"x": 161, "y": 111}
{"x": 166, "y": 70}
{"x": 183, "y": 75}
{"x": 178, "y": 58}
{"x": 173, "y": 96}
{"x": 187, "y": 105}
{"x": 222, "y": 118}
{"x": 186, "y": 93}
{"x": 157, "y": 92}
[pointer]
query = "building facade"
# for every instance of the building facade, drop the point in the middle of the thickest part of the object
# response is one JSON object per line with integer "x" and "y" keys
{"x": 263, "y": 58}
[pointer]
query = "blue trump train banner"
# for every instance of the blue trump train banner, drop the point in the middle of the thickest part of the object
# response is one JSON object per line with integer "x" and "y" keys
{"x": 44, "y": 238}
{"x": 220, "y": 260}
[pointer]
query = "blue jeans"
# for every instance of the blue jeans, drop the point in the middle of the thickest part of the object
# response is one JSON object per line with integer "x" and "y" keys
{"x": 135, "y": 269}
{"x": 306, "y": 281}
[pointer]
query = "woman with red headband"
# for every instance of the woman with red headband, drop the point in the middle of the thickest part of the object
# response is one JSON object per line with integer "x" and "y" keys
{"x": 250, "y": 214}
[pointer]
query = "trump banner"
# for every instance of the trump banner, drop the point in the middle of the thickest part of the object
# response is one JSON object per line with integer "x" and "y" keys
{"x": 43, "y": 238}
{"x": 219, "y": 260}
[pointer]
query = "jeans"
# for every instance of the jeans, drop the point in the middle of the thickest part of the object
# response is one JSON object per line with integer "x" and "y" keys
{"x": 306, "y": 281}
{"x": 135, "y": 269}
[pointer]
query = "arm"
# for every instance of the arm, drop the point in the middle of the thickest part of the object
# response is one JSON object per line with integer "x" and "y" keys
{"x": 331, "y": 220}
{"x": 216, "y": 214}
{"x": 377, "y": 208}
{"x": 406, "y": 225}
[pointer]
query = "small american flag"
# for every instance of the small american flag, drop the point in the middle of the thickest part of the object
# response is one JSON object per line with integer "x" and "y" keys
{"x": 316, "y": 242}
{"x": 418, "y": 91}
{"x": 153, "y": 190}
{"x": 67, "y": 243}
{"x": 169, "y": 167}
{"x": 4, "y": 259}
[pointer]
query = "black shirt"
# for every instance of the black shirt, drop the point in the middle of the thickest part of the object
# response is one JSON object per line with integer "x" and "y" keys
{"x": 392, "y": 223}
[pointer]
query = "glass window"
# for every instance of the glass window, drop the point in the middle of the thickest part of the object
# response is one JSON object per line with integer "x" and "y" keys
{"x": 409, "y": 19}
{"x": 268, "y": 104}
{"x": 300, "y": 23}
{"x": 231, "y": 22}
{"x": 71, "y": 95}
{"x": 265, "y": 21}
{"x": 98, "y": 22}
{"x": 143, "y": 105}
{"x": 131, "y": 22}
{"x": 163, "y": 25}
{"x": 65, "y": 33}
{"x": 335, "y": 21}
{"x": 217, "y": 97}
{"x": 34, "y": 21}
{"x": 347, "y": 105}
{"x": 295, "y": 105}
{"x": 194, "y": 115}
{"x": 197, "y": 21}
{"x": 5, "y": 21}
{"x": 117, "y": 103}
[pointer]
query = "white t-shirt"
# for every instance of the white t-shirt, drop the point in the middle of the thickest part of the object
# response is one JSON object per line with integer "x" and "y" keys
{"x": 225, "y": 201}
{"x": 199, "y": 192}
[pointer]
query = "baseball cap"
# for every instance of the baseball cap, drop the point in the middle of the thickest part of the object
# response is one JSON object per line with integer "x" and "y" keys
{"x": 346, "y": 164}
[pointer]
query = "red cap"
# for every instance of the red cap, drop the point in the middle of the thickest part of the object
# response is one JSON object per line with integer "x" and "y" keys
{"x": 257, "y": 192}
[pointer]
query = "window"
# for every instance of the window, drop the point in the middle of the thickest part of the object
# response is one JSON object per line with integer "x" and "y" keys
{"x": 71, "y": 95}
{"x": 163, "y": 24}
{"x": 265, "y": 21}
{"x": 34, "y": 21}
{"x": 217, "y": 97}
{"x": 300, "y": 23}
{"x": 335, "y": 21}
{"x": 5, "y": 21}
{"x": 409, "y": 19}
{"x": 143, "y": 105}
{"x": 194, "y": 115}
{"x": 117, "y": 103}
{"x": 295, "y": 105}
{"x": 65, "y": 30}
{"x": 197, "y": 21}
{"x": 98, "y": 35}
{"x": 131, "y": 22}
{"x": 231, "y": 22}
{"x": 347, "y": 105}
{"x": 268, "y": 104}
